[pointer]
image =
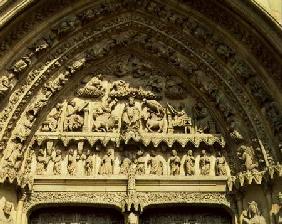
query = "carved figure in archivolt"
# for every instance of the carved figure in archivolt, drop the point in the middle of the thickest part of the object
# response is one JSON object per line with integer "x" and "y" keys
{"x": 6, "y": 82}
{"x": 189, "y": 164}
{"x": 153, "y": 115}
{"x": 125, "y": 166}
{"x": 178, "y": 120}
{"x": 24, "y": 130}
{"x": 174, "y": 88}
{"x": 131, "y": 117}
{"x": 174, "y": 163}
{"x": 71, "y": 162}
{"x": 204, "y": 163}
{"x": 107, "y": 164}
{"x": 74, "y": 115}
{"x": 203, "y": 119}
{"x": 220, "y": 165}
{"x": 42, "y": 162}
{"x": 57, "y": 83}
{"x": 252, "y": 215}
{"x": 156, "y": 164}
{"x": 57, "y": 159}
{"x": 52, "y": 120}
{"x": 103, "y": 117}
{"x": 88, "y": 163}
{"x": 15, "y": 159}
{"x": 278, "y": 169}
{"x": 140, "y": 163}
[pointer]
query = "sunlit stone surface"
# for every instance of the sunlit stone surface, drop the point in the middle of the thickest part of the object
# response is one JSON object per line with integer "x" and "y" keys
{"x": 140, "y": 112}
{"x": 273, "y": 7}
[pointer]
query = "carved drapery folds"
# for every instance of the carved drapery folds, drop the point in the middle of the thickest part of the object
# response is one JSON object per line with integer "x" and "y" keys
{"x": 112, "y": 160}
{"x": 252, "y": 215}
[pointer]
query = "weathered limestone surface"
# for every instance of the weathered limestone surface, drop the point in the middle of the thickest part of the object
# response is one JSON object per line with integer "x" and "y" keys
{"x": 140, "y": 105}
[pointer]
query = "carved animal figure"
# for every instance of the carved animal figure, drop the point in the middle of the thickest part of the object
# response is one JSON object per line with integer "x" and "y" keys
{"x": 154, "y": 105}
{"x": 104, "y": 119}
{"x": 153, "y": 115}
{"x": 104, "y": 122}
{"x": 155, "y": 123}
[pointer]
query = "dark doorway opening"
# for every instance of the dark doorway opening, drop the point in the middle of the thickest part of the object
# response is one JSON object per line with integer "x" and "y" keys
{"x": 76, "y": 214}
{"x": 185, "y": 215}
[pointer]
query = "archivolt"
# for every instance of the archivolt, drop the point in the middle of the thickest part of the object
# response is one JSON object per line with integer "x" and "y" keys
{"x": 222, "y": 70}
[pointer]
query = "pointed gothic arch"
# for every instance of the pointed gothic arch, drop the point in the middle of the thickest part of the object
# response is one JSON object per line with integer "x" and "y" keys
{"x": 202, "y": 75}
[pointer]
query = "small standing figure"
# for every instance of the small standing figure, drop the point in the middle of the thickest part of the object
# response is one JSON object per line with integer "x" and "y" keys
{"x": 42, "y": 162}
{"x": 220, "y": 165}
{"x": 189, "y": 164}
{"x": 140, "y": 163}
{"x": 156, "y": 164}
{"x": 174, "y": 163}
{"x": 107, "y": 163}
{"x": 88, "y": 163}
{"x": 71, "y": 163}
{"x": 125, "y": 166}
{"x": 204, "y": 163}
{"x": 80, "y": 156}
{"x": 131, "y": 117}
{"x": 57, "y": 162}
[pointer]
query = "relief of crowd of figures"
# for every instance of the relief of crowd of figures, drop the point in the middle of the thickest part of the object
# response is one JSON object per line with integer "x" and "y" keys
{"x": 101, "y": 106}
{"x": 111, "y": 160}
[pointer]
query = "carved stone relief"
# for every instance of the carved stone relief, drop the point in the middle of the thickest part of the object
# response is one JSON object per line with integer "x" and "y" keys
{"x": 252, "y": 215}
{"x": 71, "y": 23}
{"x": 78, "y": 215}
{"x": 77, "y": 159}
{"x": 186, "y": 122}
{"x": 95, "y": 198}
{"x": 7, "y": 82}
{"x": 132, "y": 118}
{"x": 6, "y": 212}
{"x": 108, "y": 118}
